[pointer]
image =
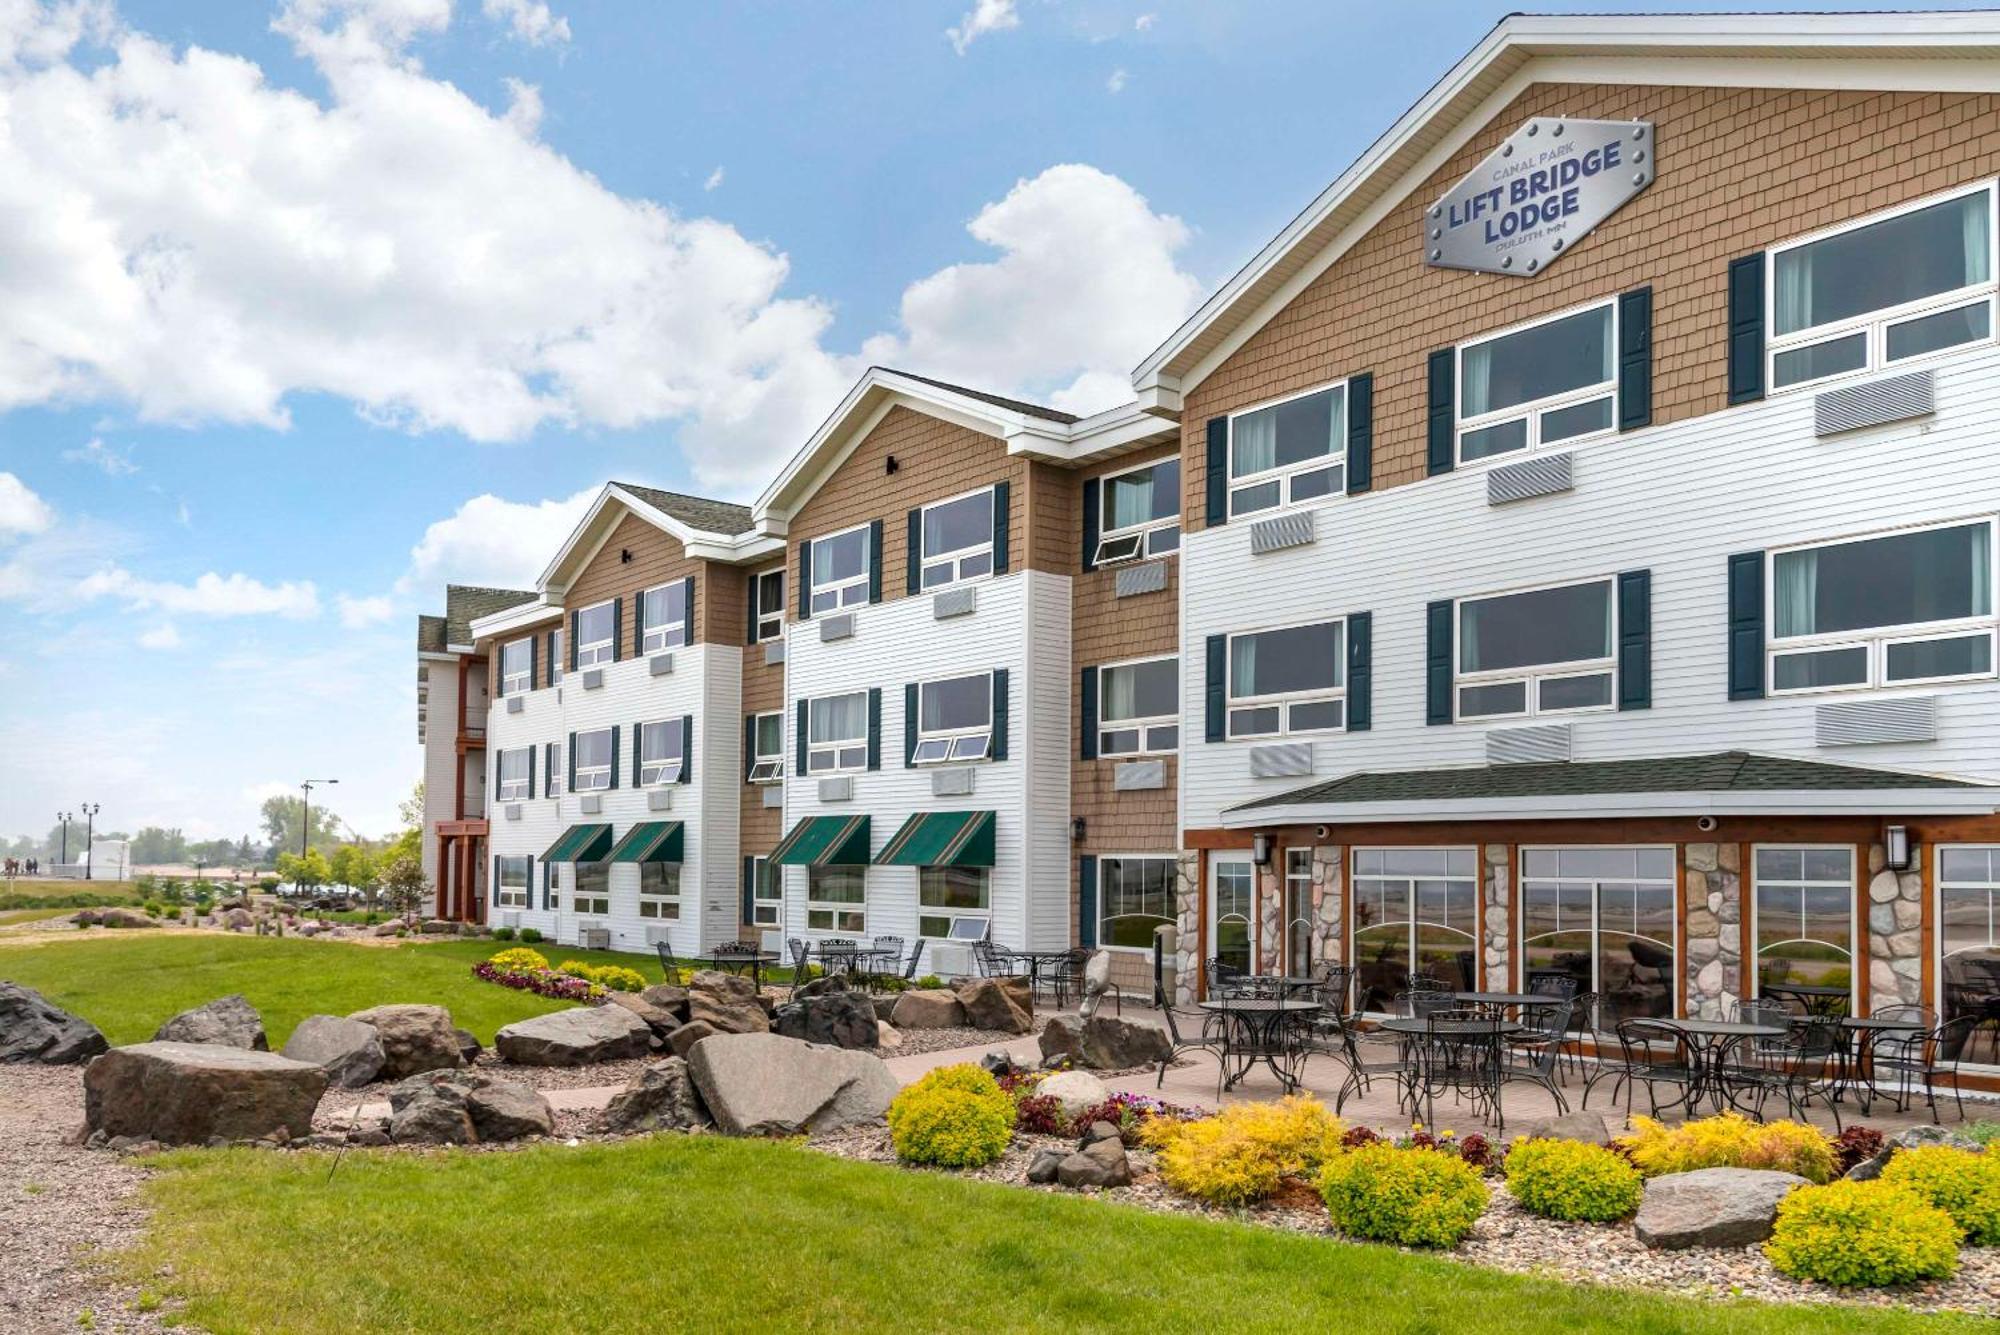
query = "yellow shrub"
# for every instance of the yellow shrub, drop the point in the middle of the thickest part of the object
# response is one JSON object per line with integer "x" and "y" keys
{"x": 618, "y": 978}
{"x": 1416, "y": 1197}
{"x": 955, "y": 1117}
{"x": 1731, "y": 1141}
{"x": 519, "y": 958}
{"x": 1862, "y": 1234}
{"x": 1239, "y": 1155}
{"x": 1965, "y": 1184}
{"x": 1567, "y": 1179}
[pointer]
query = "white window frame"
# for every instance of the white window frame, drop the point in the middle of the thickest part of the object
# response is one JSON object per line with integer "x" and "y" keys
{"x": 835, "y": 747}
{"x": 1875, "y": 325}
{"x": 665, "y": 769}
{"x": 595, "y": 778}
{"x": 1172, "y": 861}
{"x": 1412, "y": 925}
{"x": 552, "y": 764}
{"x": 1132, "y": 542}
{"x": 837, "y": 590}
{"x": 596, "y": 653}
{"x": 1532, "y": 410}
{"x": 1533, "y": 677}
{"x": 767, "y": 893}
{"x": 768, "y": 766}
{"x": 592, "y": 905}
{"x": 947, "y": 743}
{"x": 508, "y": 894}
{"x": 1285, "y": 701}
{"x": 517, "y": 682}
{"x": 1283, "y": 474}
{"x": 957, "y": 556}
{"x": 1143, "y": 726}
{"x": 670, "y": 634}
{"x": 954, "y": 916}
{"x": 660, "y": 907}
{"x": 1940, "y": 955}
{"x": 770, "y": 622}
{"x": 1878, "y": 640}
{"x": 556, "y": 659}
{"x": 513, "y": 790}
{"x": 833, "y": 908}
{"x": 1755, "y": 981}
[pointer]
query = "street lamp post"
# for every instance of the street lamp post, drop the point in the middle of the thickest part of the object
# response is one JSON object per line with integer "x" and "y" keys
{"x": 305, "y": 823}
{"x": 62, "y": 859}
{"x": 89, "y": 810}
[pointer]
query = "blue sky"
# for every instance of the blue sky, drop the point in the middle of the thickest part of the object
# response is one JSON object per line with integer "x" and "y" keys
{"x": 308, "y": 307}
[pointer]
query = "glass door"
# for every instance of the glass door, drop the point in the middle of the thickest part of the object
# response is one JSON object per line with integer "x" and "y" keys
{"x": 1232, "y": 912}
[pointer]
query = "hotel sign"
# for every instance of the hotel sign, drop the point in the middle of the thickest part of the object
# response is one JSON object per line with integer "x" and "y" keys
{"x": 1538, "y": 194}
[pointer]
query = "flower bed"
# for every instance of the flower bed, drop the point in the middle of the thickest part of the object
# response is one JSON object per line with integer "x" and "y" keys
{"x": 542, "y": 982}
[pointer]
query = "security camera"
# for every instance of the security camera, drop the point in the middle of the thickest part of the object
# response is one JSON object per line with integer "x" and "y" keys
{"x": 1321, "y": 831}
{"x": 1706, "y": 824}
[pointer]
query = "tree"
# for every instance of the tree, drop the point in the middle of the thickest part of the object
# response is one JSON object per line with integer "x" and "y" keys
{"x": 409, "y": 842}
{"x": 306, "y": 873}
{"x": 411, "y": 812}
{"x": 246, "y": 854}
{"x": 281, "y": 816}
{"x": 352, "y": 866}
{"x": 153, "y": 846}
{"x": 403, "y": 883}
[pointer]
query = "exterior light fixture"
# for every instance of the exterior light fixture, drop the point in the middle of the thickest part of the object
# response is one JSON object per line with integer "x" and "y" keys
{"x": 1076, "y": 829}
{"x": 1260, "y": 848}
{"x": 1896, "y": 847}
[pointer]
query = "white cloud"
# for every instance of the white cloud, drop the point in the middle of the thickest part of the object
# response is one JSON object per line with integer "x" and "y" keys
{"x": 107, "y": 459}
{"x": 493, "y": 542}
{"x": 1116, "y": 83}
{"x": 163, "y": 636}
{"x": 211, "y": 595}
{"x": 714, "y": 180}
{"x": 984, "y": 17}
{"x": 529, "y": 20}
{"x": 21, "y": 510}
{"x": 361, "y": 613}
{"x": 1145, "y": 22}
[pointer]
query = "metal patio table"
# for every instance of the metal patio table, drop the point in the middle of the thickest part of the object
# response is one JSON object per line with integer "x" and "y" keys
{"x": 1709, "y": 1041}
{"x": 1812, "y": 998}
{"x": 1857, "y": 1055}
{"x": 736, "y": 961}
{"x": 1260, "y": 1029}
{"x": 1508, "y": 1000}
{"x": 1442, "y": 1044}
{"x": 847, "y": 959}
{"x": 1037, "y": 962}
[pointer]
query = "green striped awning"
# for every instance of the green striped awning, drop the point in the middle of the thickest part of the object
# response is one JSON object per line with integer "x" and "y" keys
{"x": 824, "y": 841}
{"x": 580, "y": 843}
{"x": 651, "y": 841}
{"x": 941, "y": 839}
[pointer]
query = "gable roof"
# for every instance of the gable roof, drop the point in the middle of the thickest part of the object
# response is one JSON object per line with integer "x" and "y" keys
{"x": 463, "y": 605}
{"x": 997, "y": 400}
{"x": 724, "y": 518}
{"x": 1919, "y": 51}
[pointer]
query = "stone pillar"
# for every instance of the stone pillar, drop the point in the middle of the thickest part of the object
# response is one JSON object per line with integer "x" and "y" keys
{"x": 1269, "y": 957}
{"x": 1895, "y": 930}
{"x": 1187, "y": 911}
{"x": 1329, "y": 892}
{"x": 1496, "y": 883}
{"x": 1712, "y": 937}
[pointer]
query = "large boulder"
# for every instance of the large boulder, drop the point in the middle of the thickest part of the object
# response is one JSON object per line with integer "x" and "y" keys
{"x": 466, "y": 1107}
{"x": 575, "y": 1037}
{"x": 683, "y": 1039}
{"x": 1583, "y": 1125}
{"x": 839, "y": 1019}
{"x": 414, "y": 1038}
{"x": 668, "y": 997}
{"x": 726, "y": 1012}
{"x": 997, "y": 1003}
{"x": 186, "y": 1093}
{"x": 349, "y": 1051}
{"x": 928, "y": 1008}
{"x": 125, "y": 918}
{"x": 661, "y": 1097}
{"x": 1100, "y": 1163}
{"x": 1712, "y": 1207}
{"x": 236, "y": 920}
{"x": 230, "y": 1021}
{"x": 719, "y": 984}
{"x": 769, "y": 1085}
{"x": 1074, "y": 1090}
{"x": 35, "y": 1029}
{"x": 1103, "y": 1043}
{"x": 658, "y": 1018}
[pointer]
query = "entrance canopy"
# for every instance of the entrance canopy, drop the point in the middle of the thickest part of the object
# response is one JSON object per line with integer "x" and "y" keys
{"x": 941, "y": 839}
{"x": 651, "y": 841}
{"x": 580, "y": 843}
{"x": 824, "y": 841}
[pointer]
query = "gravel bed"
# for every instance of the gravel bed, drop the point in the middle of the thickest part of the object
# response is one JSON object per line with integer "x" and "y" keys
{"x": 919, "y": 1041}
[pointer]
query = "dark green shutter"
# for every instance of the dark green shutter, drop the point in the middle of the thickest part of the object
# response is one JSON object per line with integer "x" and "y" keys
{"x": 750, "y": 609}
{"x": 687, "y": 748}
{"x": 913, "y": 561}
{"x": 493, "y": 883}
{"x": 1746, "y": 329}
{"x": 1088, "y": 742}
{"x": 1000, "y": 494}
{"x": 1360, "y": 433}
{"x": 1215, "y": 689}
{"x": 531, "y": 772}
{"x": 534, "y": 667}
{"x": 1218, "y": 471}
{"x": 749, "y": 744}
{"x": 1746, "y": 626}
{"x": 528, "y": 881}
{"x": 910, "y": 699}
{"x": 1443, "y": 410}
{"x": 1086, "y": 901}
{"x": 749, "y": 890}
{"x": 575, "y": 625}
{"x": 874, "y": 727}
{"x": 687, "y": 597}
{"x": 617, "y": 630}
{"x": 1635, "y": 359}
{"x": 1635, "y": 640}
{"x": 1091, "y": 519}
{"x": 1000, "y": 713}
{"x": 1437, "y": 662}
{"x": 614, "y": 730}
{"x": 572, "y": 764}
{"x": 874, "y": 560}
{"x": 799, "y": 741}
{"x": 1360, "y": 671}
{"x": 550, "y": 650}
{"x": 636, "y": 749}
{"x": 805, "y": 581}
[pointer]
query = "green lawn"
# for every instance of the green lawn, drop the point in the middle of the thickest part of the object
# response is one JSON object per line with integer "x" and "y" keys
{"x": 127, "y": 982}
{"x": 11, "y": 916}
{"x": 684, "y": 1233}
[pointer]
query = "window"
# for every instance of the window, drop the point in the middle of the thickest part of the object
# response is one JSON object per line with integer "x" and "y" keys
{"x": 1968, "y": 880}
{"x": 1415, "y": 911}
{"x": 1906, "y": 607}
{"x": 837, "y": 899}
{"x": 593, "y": 888}
{"x": 1551, "y": 381}
{"x": 951, "y": 899}
{"x": 550, "y": 885}
{"x": 954, "y": 719}
{"x": 511, "y": 890}
{"x": 958, "y": 540}
{"x": 1804, "y": 924}
{"x": 663, "y": 617}
{"x": 1289, "y": 680}
{"x": 768, "y": 589}
{"x": 1543, "y": 651}
{"x": 596, "y": 629}
{"x": 767, "y": 748}
{"x": 1916, "y": 281}
{"x": 551, "y": 769}
{"x": 1298, "y": 911}
{"x": 767, "y": 893}
{"x": 512, "y": 780}
{"x": 555, "y": 656}
{"x": 1605, "y": 917}
{"x": 593, "y": 761}
{"x": 1139, "y": 512}
{"x": 1134, "y": 895}
{"x": 660, "y": 891}
{"x": 517, "y": 670}
{"x": 837, "y": 733}
{"x": 840, "y": 570}
{"x": 1139, "y": 708}
{"x": 1287, "y": 452}
{"x": 662, "y": 752}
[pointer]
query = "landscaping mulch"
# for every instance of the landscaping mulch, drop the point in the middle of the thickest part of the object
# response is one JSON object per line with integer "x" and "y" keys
{"x": 919, "y": 1041}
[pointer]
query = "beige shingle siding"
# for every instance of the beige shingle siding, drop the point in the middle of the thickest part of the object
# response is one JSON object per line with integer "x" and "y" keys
{"x": 657, "y": 558}
{"x": 1739, "y": 171}
{"x": 763, "y": 693}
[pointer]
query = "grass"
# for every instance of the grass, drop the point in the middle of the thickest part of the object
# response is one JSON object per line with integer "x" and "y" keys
{"x": 11, "y": 916}
{"x": 683, "y": 1233}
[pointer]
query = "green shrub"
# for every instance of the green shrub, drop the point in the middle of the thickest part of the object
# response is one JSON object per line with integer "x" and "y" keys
{"x": 930, "y": 982}
{"x": 1415, "y": 1197}
{"x": 503, "y": 934}
{"x": 1983, "y": 1131}
{"x": 1242, "y": 1153}
{"x": 520, "y": 957}
{"x": 267, "y": 883}
{"x": 1862, "y": 1234}
{"x": 1567, "y": 1179}
{"x": 1731, "y": 1141}
{"x": 530, "y": 935}
{"x": 955, "y": 1117}
{"x": 1965, "y": 1184}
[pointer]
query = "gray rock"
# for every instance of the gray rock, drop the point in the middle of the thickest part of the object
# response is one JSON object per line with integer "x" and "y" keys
{"x": 928, "y": 1008}
{"x": 119, "y": 917}
{"x": 1587, "y": 1127}
{"x": 1913, "y": 1137}
{"x": 734, "y": 986}
{"x": 769, "y": 1085}
{"x": 668, "y": 997}
{"x": 469, "y": 1046}
{"x": 999, "y": 1062}
{"x": 349, "y": 1051}
{"x": 683, "y": 1039}
{"x": 414, "y": 1038}
{"x": 1104, "y": 1043}
{"x": 997, "y": 1003}
{"x": 575, "y": 1037}
{"x": 1096, "y": 1131}
{"x": 728, "y": 1013}
{"x": 423, "y": 1108}
{"x": 1042, "y": 1168}
{"x": 1074, "y": 1090}
{"x": 439, "y": 927}
{"x": 230, "y": 1021}
{"x": 839, "y": 1019}
{"x": 660, "y": 1019}
{"x": 1102, "y": 1163}
{"x": 432, "y": 1122}
{"x": 236, "y": 920}
{"x": 819, "y": 987}
{"x": 35, "y": 1029}
{"x": 186, "y": 1093}
{"x": 661, "y": 1097}
{"x": 885, "y": 1006}
{"x": 1871, "y": 1168}
{"x": 1712, "y": 1207}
